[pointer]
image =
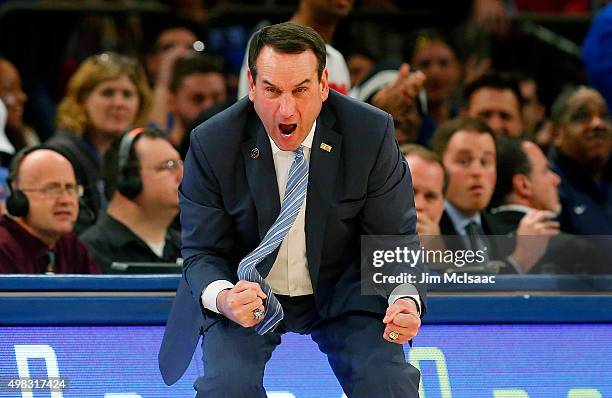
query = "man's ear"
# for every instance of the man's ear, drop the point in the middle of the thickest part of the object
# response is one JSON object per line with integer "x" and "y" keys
{"x": 324, "y": 85}
{"x": 521, "y": 185}
{"x": 251, "y": 85}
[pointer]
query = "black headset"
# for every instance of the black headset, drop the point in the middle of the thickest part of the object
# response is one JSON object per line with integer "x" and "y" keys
{"x": 17, "y": 203}
{"x": 129, "y": 183}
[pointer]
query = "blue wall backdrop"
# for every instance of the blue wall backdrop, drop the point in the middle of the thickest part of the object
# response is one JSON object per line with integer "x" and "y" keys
{"x": 471, "y": 361}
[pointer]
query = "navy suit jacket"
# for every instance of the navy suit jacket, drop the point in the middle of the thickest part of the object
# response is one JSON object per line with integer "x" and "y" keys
{"x": 229, "y": 199}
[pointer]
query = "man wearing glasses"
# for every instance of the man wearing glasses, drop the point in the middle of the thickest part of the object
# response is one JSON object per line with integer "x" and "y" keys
{"x": 36, "y": 236}
{"x": 142, "y": 173}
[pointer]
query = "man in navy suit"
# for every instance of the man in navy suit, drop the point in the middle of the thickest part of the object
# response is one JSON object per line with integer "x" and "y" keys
{"x": 358, "y": 184}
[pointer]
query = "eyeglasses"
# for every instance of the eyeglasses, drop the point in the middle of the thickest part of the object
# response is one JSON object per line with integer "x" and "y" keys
{"x": 169, "y": 165}
{"x": 56, "y": 190}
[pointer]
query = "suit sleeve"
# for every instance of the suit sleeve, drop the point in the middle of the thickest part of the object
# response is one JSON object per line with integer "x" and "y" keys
{"x": 207, "y": 229}
{"x": 389, "y": 208}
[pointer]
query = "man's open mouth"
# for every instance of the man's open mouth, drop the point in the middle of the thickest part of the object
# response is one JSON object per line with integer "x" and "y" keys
{"x": 287, "y": 129}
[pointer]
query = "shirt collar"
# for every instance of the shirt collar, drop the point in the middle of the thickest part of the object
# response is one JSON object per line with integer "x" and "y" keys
{"x": 306, "y": 143}
{"x": 458, "y": 219}
{"x": 511, "y": 207}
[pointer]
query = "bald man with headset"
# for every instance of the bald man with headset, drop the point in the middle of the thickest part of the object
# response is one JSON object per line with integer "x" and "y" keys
{"x": 43, "y": 206}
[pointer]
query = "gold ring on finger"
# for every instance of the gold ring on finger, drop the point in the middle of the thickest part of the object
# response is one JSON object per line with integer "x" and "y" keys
{"x": 257, "y": 314}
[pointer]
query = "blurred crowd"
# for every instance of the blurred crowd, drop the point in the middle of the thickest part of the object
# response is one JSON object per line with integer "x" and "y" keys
{"x": 90, "y": 174}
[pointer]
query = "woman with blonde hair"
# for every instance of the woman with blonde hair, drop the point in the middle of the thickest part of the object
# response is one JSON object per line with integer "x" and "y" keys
{"x": 107, "y": 95}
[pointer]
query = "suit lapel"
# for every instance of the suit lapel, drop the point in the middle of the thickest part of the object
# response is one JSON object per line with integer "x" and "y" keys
{"x": 446, "y": 225}
{"x": 261, "y": 176}
{"x": 323, "y": 169}
{"x": 450, "y": 235}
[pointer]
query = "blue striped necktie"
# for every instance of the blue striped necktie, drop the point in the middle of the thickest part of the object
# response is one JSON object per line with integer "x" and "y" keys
{"x": 295, "y": 191}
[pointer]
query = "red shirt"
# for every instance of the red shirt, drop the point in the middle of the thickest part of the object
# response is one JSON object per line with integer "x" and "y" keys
{"x": 566, "y": 7}
{"x": 23, "y": 253}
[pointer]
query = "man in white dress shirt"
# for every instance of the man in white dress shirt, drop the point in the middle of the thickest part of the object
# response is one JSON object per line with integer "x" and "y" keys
{"x": 356, "y": 184}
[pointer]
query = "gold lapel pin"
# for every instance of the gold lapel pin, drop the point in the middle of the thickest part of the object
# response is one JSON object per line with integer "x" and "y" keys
{"x": 254, "y": 153}
{"x": 325, "y": 147}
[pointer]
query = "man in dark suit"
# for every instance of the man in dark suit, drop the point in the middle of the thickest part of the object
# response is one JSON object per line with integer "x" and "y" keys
{"x": 525, "y": 203}
{"x": 468, "y": 151}
{"x": 237, "y": 167}
{"x": 496, "y": 99}
{"x": 581, "y": 157}
{"x": 467, "y": 148}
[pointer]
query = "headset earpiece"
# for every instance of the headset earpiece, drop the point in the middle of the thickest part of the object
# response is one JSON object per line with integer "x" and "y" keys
{"x": 17, "y": 203}
{"x": 129, "y": 183}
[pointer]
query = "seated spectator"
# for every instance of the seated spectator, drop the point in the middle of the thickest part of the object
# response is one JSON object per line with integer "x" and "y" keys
{"x": 524, "y": 178}
{"x": 429, "y": 182}
{"x": 496, "y": 99}
{"x": 397, "y": 91}
{"x": 106, "y": 96}
{"x": 175, "y": 39}
{"x": 436, "y": 56}
{"x": 524, "y": 204}
{"x": 197, "y": 84}
{"x": 14, "y": 98}
{"x": 583, "y": 140}
{"x": 360, "y": 63}
{"x": 142, "y": 173}
{"x": 467, "y": 149}
{"x": 36, "y": 237}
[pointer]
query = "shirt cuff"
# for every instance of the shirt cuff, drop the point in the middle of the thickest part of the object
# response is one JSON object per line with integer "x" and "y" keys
{"x": 209, "y": 295}
{"x": 406, "y": 290}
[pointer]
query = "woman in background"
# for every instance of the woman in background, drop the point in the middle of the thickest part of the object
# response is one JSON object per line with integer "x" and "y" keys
{"x": 107, "y": 95}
